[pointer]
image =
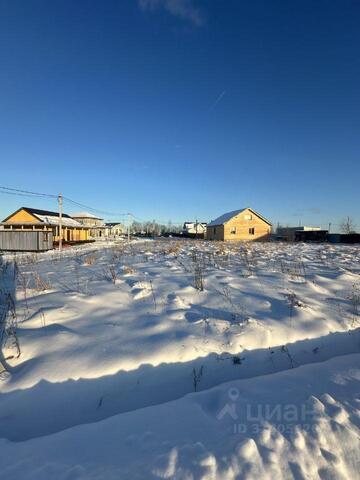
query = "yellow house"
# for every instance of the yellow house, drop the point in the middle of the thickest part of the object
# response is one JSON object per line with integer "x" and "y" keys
{"x": 26, "y": 219}
{"x": 242, "y": 224}
{"x": 96, "y": 225}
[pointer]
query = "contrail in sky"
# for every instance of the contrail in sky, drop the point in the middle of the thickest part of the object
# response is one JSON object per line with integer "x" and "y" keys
{"x": 219, "y": 98}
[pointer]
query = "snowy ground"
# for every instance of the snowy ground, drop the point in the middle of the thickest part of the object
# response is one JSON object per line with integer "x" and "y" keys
{"x": 126, "y": 351}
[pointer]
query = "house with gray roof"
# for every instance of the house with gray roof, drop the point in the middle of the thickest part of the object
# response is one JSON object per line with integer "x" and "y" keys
{"x": 240, "y": 224}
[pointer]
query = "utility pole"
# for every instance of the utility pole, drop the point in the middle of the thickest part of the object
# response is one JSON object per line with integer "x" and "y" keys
{"x": 128, "y": 228}
{"x": 60, "y": 202}
{"x": 329, "y": 226}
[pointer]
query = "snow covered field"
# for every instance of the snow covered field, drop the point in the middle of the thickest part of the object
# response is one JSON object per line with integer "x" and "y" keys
{"x": 182, "y": 359}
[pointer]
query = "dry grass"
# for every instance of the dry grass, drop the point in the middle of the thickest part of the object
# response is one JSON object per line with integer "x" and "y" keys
{"x": 173, "y": 249}
{"x": 40, "y": 283}
{"x": 198, "y": 270}
{"x": 90, "y": 259}
{"x": 354, "y": 298}
{"x": 128, "y": 270}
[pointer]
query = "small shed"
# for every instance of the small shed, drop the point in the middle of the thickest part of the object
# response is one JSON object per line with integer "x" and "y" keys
{"x": 25, "y": 241}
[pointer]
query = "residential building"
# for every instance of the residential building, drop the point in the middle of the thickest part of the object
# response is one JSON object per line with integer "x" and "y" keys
{"x": 241, "y": 224}
{"x": 34, "y": 219}
{"x": 114, "y": 229}
{"x": 194, "y": 229}
{"x": 96, "y": 225}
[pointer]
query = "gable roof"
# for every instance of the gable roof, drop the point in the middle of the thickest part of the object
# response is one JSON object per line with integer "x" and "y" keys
{"x": 37, "y": 211}
{"x": 225, "y": 217}
{"x": 85, "y": 215}
{"x": 229, "y": 215}
{"x": 48, "y": 217}
{"x": 194, "y": 223}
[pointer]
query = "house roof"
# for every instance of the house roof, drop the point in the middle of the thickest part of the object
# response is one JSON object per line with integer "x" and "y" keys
{"x": 85, "y": 215}
{"x": 48, "y": 217}
{"x": 37, "y": 211}
{"x": 193, "y": 225}
{"x": 225, "y": 217}
{"x": 229, "y": 215}
{"x": 113, "y": 224}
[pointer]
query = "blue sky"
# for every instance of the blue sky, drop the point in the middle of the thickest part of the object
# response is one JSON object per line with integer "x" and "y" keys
{"x": 173, "y": 109}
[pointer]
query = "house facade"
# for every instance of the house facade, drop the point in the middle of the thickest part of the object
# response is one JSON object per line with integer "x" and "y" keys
{"x": 242, "y": 224}
{"x": 114, "y": 229}
{"x": 94, "y": 223}
{"x": 194, "y": 229}
{"x": 34, "y": 219}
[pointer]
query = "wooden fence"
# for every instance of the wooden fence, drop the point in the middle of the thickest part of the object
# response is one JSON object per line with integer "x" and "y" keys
{"x": 25, "y": 241}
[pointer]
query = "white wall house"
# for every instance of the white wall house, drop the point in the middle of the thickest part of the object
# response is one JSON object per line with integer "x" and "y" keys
{"x": 114, "y": 229}
{"x": 194, "y": 228}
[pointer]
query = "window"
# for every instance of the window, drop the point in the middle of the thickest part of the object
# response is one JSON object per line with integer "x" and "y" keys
{"x": 248, "y": 217}
{"x": 214, "y": 230}
{"x": 233, "y": 230}
{"x": 252, "y": 231}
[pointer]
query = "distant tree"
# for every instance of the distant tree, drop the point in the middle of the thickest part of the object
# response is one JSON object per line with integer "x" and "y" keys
{"x": 147, "y": 227}
{"x": 347, "y": 226}
{"x": 136, "y": 227}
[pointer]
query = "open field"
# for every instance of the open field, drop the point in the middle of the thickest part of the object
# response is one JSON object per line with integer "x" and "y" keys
{"x": 122, "y": 352}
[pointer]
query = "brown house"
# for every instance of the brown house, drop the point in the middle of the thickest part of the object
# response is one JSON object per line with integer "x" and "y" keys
{"x": 242, "y": 224}
{"x": 33, "y": 219}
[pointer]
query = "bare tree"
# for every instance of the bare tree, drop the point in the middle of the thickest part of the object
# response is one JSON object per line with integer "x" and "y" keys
{"x": 347, "y": 225}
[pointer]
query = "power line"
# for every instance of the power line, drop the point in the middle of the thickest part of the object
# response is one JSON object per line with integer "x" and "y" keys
{"x": 27, "y": 195}
{"x": 30, "y": 194}
{"x": 103, "y": 212}
{"x": 27, "y": 192}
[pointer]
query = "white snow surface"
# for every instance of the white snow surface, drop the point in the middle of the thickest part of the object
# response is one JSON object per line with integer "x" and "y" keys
{"x": 84, "y": 215}
{"x": 54, "y": 220}
{"x": 127, "y": 371}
